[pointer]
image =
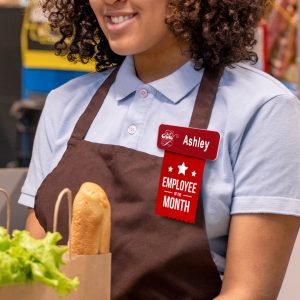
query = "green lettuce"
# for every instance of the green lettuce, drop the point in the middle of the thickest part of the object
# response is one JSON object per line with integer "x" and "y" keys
{"x": 24, "y": 259}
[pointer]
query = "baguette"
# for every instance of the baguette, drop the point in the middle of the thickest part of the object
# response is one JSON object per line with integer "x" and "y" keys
{"x": 90, "y": 229}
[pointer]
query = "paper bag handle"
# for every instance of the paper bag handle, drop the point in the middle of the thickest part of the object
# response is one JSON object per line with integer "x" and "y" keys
{"x": 8, "y": 211}
{"x": 67, "y": 192}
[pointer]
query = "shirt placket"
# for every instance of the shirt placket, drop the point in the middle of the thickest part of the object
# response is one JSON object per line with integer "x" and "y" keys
{"x": 134, "y": 123}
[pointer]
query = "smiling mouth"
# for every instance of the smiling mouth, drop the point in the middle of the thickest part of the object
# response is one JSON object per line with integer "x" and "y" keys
{"x": 119, "y": 19}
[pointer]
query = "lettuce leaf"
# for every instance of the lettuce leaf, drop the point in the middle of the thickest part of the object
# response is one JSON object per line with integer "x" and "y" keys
{"x": 24, "y": 259}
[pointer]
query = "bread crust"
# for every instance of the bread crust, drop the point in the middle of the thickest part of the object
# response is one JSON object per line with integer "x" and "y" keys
{"x": 91, "y": 221}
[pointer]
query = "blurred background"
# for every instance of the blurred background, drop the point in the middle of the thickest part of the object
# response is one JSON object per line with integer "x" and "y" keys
{"x": 29, "y": 69}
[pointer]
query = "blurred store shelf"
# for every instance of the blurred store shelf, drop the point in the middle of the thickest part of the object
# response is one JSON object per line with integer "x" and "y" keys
{"x": 12, "y": 180}
{"x": 10, "y": 78}
{"x": 11, "y": 3}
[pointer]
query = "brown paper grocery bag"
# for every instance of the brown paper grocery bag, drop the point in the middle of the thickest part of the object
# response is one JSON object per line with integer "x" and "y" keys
{"x": 94, "y": 272}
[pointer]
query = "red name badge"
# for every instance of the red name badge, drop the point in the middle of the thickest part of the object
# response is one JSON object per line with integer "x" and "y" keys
{"x": 186, "y": 150}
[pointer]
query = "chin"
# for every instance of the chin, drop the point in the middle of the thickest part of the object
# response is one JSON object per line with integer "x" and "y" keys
{"x": 123, "y": 50}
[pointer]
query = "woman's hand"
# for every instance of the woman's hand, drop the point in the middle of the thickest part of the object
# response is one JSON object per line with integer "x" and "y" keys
{"x": 33, "y": 225}
{"x": 258, "y": 253}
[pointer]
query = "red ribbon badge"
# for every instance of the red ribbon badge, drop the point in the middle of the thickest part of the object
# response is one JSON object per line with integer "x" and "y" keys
{"x": 187, "y": 149}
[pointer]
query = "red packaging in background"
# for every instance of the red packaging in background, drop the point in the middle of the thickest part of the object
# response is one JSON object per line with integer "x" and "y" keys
{"x": 277, "y": 42}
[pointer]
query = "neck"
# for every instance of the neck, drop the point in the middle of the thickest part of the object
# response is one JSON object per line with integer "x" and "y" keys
{"x": 160, "y": 63}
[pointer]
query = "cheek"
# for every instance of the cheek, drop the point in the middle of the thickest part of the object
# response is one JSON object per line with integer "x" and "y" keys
{"x": 96, "y": 6}
{"x": 93, "y": 5}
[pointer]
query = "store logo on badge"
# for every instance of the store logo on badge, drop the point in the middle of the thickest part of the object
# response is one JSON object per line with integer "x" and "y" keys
{"x": 167, "y": 138}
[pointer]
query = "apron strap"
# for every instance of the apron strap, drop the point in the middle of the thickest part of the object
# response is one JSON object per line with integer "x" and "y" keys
{"x": 87, "y": 118}
{"x": 206, "y": 98}
{"x": 201, "y": 115}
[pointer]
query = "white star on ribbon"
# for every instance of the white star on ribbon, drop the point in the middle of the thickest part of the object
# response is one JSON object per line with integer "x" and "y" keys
{"x": 182, "y": 168}
{"x": 194, "y": 173}
{"x": 170, "y": 169}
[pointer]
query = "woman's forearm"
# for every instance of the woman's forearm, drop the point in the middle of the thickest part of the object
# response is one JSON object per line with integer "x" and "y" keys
{"x": 33, "y": 225}
{"x": 257, "y": 256}
{"x": 239, "y": 295}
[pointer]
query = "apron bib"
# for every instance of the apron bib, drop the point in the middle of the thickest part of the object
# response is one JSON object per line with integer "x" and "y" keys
{"x": 152, "y": 257}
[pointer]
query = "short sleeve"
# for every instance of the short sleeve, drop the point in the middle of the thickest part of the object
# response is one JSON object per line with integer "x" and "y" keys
{"x": 42, "y": 155}
{"x": 267, "y": 167}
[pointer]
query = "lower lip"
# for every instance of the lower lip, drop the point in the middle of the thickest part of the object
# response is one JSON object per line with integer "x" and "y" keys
{"x": 120, "y": 26}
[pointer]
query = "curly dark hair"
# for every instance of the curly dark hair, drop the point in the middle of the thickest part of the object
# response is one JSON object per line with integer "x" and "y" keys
{"x": 219, "y": 32}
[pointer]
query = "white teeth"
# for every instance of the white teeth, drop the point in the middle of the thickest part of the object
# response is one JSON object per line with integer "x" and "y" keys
{"x": 120, "y": 19}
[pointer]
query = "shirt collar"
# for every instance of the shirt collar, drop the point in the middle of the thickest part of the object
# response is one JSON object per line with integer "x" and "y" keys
{"x": 178, "y": 84}
{"x": 174, "y": 87}
{"x": 126, "y": 81}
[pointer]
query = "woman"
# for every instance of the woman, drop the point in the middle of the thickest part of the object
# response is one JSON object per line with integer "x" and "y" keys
{"x": 179, "y": 65}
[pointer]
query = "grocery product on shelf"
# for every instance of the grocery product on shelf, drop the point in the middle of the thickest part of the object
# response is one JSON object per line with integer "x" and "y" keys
{"x": 281, "y": 41}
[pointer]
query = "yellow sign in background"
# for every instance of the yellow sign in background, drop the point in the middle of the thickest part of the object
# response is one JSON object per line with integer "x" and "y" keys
{"x": 37, "y": 42}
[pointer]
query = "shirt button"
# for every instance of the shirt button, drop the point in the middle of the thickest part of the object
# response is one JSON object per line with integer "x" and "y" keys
{"x": 143, "y": 93}
{"x": 132, "y": 129}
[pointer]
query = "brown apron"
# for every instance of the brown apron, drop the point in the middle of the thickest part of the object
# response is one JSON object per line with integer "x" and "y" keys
{"x": 152, "y": 257}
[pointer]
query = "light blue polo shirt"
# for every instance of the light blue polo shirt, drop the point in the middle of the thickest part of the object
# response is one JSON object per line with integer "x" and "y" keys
{"x": 258, "y": 166}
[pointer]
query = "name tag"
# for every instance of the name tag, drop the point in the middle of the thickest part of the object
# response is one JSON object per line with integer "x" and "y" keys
{"x": 186, "y": 150}
{"x": 189, "y": 141}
